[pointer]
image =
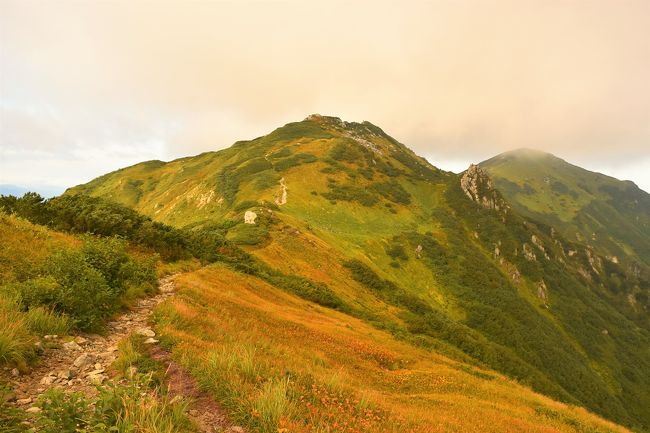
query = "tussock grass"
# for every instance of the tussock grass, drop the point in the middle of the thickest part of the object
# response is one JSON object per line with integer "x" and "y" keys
{"x": 16, "y": 342}
{"x": 43, "y": 321}
{"x": 133, "y": 359}
{"x": 151, "y": 415}
{"x": 271, "y": 405}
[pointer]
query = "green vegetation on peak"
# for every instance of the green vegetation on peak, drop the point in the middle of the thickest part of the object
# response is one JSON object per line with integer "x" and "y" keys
{"x": 592, "y": 209}
{"x": 343, "y": 215}
{"x": 362, "y": 163}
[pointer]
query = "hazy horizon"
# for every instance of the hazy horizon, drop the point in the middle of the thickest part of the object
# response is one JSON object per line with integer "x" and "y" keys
{"x": 87, "y": 88}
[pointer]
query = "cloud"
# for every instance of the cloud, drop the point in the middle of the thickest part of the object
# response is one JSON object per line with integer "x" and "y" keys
{"x": 457, "y": 80}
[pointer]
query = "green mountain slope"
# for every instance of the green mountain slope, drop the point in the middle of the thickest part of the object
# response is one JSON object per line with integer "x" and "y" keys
{"x": 441, "y": 261}
{"x": 591, "y": 208}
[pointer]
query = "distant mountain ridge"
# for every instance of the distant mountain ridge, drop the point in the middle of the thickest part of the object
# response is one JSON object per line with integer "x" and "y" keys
{"x": 477, "y": 265}
{"x": 610, "y": 215}
{"x": 18, "y": 190}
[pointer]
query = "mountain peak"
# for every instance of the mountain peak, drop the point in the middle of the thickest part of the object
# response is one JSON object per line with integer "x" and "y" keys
{"x": 336, "y": 123}
{"x": 522, "y": 154}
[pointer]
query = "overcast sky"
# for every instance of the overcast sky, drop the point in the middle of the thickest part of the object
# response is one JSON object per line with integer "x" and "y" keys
{"x": 87, "y": 87}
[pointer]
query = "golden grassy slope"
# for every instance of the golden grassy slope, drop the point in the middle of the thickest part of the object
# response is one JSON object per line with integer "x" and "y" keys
{"x": 278, "y": 362}
{"x": 25, "y": 246}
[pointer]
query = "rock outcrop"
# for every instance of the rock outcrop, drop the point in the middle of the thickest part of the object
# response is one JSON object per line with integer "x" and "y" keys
{"x": 281, "y": 198}
{"x": 542, "y": 293}
{"x": 250, "y": 217}
{"x": 477, "y": 185}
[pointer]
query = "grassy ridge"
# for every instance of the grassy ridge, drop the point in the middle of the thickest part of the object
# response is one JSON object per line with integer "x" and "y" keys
{"x": 495, "y": 287}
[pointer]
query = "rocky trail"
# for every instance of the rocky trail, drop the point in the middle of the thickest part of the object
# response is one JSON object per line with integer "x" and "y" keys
{"x": 81, "y": 363}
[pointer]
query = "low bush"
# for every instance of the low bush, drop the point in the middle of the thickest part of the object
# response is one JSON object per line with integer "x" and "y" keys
{"x": 294, "y": 160}
{"x": 85, "y": 214}
{"x": 396, "y": 251}
{"x": 86, "y": 285}
{"x": 351, "y": 193}
{"x": 392, "y": 191}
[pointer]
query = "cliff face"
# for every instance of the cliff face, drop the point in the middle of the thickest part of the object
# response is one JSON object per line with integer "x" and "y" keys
{"x": 477, "y": 185}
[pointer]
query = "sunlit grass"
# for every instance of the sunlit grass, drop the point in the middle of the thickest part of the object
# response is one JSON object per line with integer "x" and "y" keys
{"x": 275, "y": 363}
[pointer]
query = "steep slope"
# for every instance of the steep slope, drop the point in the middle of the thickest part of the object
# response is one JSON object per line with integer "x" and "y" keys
{"x": 334, "y": 372}
{"x": 605, "y": 216}
{"x": 438, "y": 260}
{"x": 588, "y": 207}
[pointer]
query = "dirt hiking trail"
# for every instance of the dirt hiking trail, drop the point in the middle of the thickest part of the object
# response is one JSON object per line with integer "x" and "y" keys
{"x": 81, "y": 363}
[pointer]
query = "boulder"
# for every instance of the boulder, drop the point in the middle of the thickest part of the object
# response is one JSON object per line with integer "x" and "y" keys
{"x": 71, "y": 345}
{"x": 146, "y": 332}
{"x": 65, "y": 374}
{"x": 97, "y": 379}
{"x": 250, "y": 217}
{"x": 82, "y": 360}
{"x": 47, "y": 380}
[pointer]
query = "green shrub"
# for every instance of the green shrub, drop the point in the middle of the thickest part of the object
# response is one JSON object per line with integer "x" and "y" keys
{"x": 246, "y": 204}
{"x": 37, "y": 292}
{"x": 396, "y": 251}
{"x": 85, "y": 285}
{"x": 85, "y": 214}
{"x": 294, "y": 160}
{"x": 62, "y": 413}
{"x": 366, "y": 172}
{"x": 205, "y": 242}
{"x": 109, "y": 257}
{"x": 83, "y": 293}
{"x": 350, "y": 193}
{"x": 249, "y": 234}
{"x": 392, "y": 191}
{"x": 295, "y": 130}
{"x": 346, "y": 150}
{"x": 282, "y": 153}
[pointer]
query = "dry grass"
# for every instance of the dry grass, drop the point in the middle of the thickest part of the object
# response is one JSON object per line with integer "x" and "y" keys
{"x": 278, "y": 362}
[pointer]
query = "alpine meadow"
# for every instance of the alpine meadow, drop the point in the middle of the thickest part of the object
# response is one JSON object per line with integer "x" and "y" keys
{"x": 329, "y": 279}
{"x": 184, "y": 248}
